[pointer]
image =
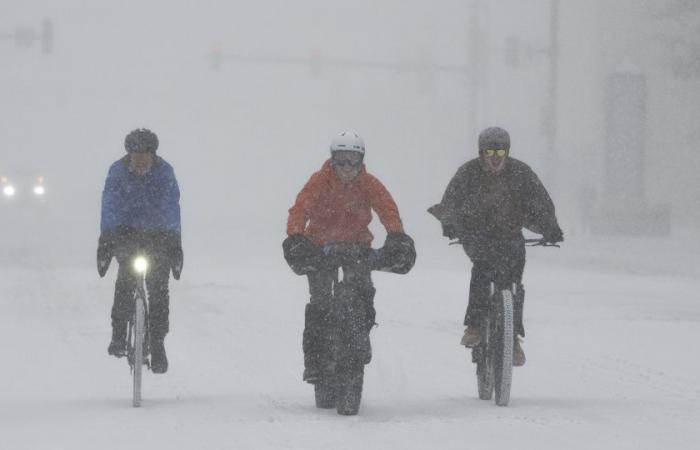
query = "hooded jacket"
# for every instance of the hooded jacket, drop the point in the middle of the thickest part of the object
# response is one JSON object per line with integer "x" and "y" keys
{"x": 326, "y": 210}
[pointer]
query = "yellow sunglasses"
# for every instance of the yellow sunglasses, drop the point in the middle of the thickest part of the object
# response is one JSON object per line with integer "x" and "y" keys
{"x": 500, "y": 152}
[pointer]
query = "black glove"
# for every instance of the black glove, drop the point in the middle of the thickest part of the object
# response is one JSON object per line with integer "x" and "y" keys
{"x": 105, "y": 251}
{"x": 553, "y": 235}
{"x": 301, "y": 254}
{"x": 175, "y": 255}
{"x": 450, "y": 231}
{"x": 398, "y": 255}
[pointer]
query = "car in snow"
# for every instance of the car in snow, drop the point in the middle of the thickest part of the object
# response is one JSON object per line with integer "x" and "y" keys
{"x": 23, "y": 188}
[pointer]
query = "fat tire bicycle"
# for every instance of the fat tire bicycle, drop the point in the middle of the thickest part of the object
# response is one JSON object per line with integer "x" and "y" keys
{"x": 493, "y": 355}
{"x": 346, "y": 349}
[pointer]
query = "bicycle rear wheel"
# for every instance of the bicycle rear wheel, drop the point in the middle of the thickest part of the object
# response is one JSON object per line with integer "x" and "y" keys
{"x": 502, "y": 347}
{"x": 139, "y": 337}
{"x": 484, "y": 370}
{"x": 325, "y": 393}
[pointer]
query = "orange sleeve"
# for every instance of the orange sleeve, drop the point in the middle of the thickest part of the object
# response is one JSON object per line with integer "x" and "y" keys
{"x": 385, "y": 207}
{"x": 299, "y": 213}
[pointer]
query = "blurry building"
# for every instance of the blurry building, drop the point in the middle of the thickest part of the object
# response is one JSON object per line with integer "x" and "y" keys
{"x": 629, "y": 99}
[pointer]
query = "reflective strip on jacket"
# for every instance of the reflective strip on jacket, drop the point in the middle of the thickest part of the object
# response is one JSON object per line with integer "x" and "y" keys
{"x": 326, "y": 210}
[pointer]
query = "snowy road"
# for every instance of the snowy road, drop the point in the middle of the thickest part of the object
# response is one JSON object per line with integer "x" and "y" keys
{"x": 610, "y": 365}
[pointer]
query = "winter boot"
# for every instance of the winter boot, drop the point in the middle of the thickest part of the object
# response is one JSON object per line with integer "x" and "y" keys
{"x": 159, "y": 360}
{"x": 117, "y": 347}
{"x": 518, "y": 354}
{"x": 312, "y": 375}
{"x": 472, "y": 337}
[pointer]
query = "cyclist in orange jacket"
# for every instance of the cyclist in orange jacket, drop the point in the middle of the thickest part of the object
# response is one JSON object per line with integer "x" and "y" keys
{"x": 335, "y": 208}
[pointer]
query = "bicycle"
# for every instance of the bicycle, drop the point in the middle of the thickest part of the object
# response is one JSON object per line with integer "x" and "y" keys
{"x": 493, "y": 355}
{"x": 339, "y": 320}
{"x": 138, "y": 342}
{"x": 345, "y": 346}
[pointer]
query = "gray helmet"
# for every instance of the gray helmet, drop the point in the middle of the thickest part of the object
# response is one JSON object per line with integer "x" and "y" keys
{"x": 494, "y": 138}
{"x": 141, "y": 140}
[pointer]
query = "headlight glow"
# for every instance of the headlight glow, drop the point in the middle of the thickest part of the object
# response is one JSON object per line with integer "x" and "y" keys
{"x": 140, "y": 264}
{"x": 8, "y": 191}
{"x": 39, "y": 190}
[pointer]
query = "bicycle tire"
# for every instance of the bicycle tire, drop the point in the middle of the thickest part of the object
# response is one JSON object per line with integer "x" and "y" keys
{"x": 139, "y": 336}
{"x": 502, "y": 347}
{"x": 325, "y": 393}
{"x": 484, "y": 370}
{"x": 349, "y": 390}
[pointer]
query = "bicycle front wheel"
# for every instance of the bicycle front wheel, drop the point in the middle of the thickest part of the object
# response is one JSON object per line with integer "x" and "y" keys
{"x": 139, "y": 337}
{"x": 502, "y": 347}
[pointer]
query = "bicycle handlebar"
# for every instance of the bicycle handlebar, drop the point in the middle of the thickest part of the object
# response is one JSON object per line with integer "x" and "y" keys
{"x": 531, "y": 242}
{"x": 339, "y": 255}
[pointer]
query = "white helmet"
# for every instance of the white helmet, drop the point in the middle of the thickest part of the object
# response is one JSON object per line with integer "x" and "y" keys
{"x": 349, "y": 141}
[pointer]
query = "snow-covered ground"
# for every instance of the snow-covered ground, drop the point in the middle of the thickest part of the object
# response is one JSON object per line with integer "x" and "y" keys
{"x": 610, "y": 360}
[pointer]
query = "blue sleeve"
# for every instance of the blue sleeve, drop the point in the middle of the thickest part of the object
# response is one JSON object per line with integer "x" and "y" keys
{"x": 111, "y": 202}
{"x": 171, "y": 203}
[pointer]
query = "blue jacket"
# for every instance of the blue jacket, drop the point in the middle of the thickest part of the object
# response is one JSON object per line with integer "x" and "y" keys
{"x": 149, "y": 202}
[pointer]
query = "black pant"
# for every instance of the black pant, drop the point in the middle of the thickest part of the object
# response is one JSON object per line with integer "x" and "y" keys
{"x": 499, "y": 260}
{"x": 317, "y": 326}
{"x": 157, "y": 278}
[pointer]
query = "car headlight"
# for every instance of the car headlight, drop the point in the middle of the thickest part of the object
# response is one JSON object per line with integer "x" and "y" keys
{"x": 8, "y": 191}
{"x": 39, "y": 190}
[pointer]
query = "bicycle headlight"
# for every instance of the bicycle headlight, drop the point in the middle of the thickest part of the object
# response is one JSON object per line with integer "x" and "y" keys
{"x": 140, "y": 264}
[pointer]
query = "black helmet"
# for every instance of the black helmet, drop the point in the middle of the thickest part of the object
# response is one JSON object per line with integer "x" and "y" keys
{"x": 141, "y": 140}
{"x": 494, "y": 138}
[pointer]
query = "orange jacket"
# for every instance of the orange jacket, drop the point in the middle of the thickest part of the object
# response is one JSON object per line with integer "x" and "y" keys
{"x": 328, "y": 211}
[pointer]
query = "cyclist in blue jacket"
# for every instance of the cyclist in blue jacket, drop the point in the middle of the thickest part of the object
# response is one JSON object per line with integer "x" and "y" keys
{"x": 141, "y": 212}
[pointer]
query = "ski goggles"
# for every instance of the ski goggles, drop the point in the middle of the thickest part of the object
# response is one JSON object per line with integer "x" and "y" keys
{"x": 496, "y": 152}
{"x": 346, "y": 162}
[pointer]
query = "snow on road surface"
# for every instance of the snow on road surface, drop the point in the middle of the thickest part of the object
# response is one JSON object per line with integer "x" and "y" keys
{"x": 611, "y": 363}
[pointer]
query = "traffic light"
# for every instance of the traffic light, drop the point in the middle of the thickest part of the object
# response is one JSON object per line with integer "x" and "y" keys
{"x": 28, "y": 37}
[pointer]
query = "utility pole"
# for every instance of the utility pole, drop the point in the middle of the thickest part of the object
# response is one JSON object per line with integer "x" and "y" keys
{"x": 552, "y": 157}
{"x": 27, "y": 37}
{"x": 474, "y": 71}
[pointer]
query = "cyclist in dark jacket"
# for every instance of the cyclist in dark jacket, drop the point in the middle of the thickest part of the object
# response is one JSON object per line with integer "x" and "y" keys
{"x": 486, "y": 205}
{"x": 141, "y": 212}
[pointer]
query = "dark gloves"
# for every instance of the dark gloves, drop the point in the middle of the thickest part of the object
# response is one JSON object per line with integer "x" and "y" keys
{"x": 450, "y": 231}
{"x": 301, "y": 254}
{"x": 447, "y": 217}
{"x": 105, "y": 251}
{"x": 175, "y": 255}
{"x": 553, "y": 235}
{"x": 398, "y": 255}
